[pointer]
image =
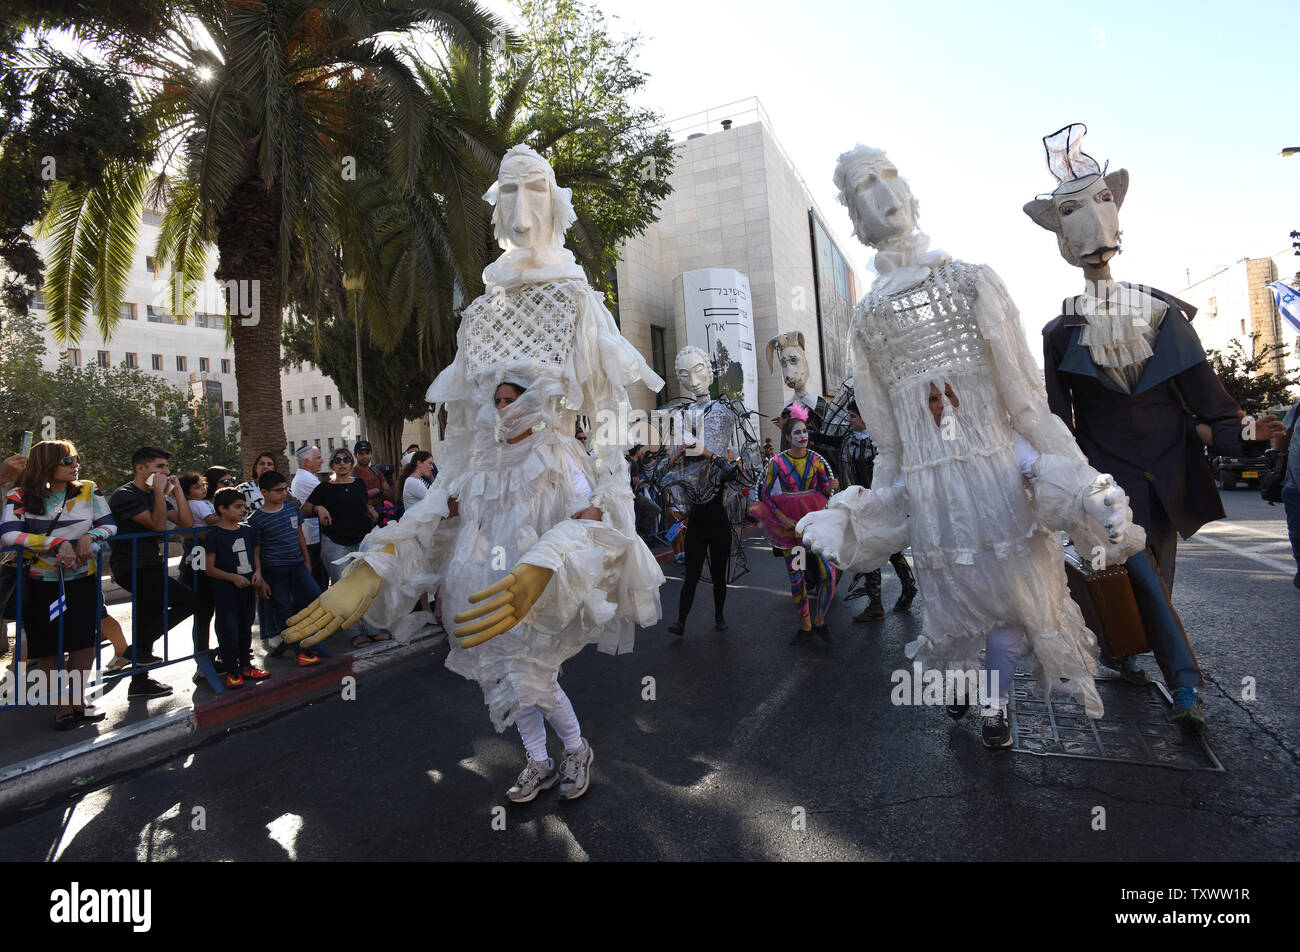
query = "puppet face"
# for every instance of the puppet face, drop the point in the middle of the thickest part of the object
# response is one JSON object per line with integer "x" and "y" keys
{"x": 799, "y": 435}
{"x": 524, "y": 202}
{"x": 1089, "y": 224}
{"x": 794, "y": 368}
{"x": 694, "y": 373}
{"x": 882, "y": 205}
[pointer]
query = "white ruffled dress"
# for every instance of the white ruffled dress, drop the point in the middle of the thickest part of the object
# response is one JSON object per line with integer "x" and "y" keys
{"x": 982, "y": 538}
{"x": 550, "y": 333}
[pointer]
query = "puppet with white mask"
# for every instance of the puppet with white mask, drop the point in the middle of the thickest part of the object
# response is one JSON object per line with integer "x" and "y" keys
{"x": 973, "y": 471}
{"x": 826, "y": 429}
{"x": 531, "y": 541}
{"x": 1121, "y": 364}
{"x": 713, "y": 460}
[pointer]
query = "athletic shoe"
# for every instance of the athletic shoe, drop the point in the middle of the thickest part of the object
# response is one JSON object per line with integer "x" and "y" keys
{"x": 537, "y": 776}
{"x": 802, "y": 637}
{"x": 119, "y": 663}
{"x": 996, "y": 730}
{"x": 1127, "y": 668}
{"x": 255, "y": 674}
{"x": 1188, "y": 709}
{"x": 277, "y": 646}
{"x": 307, "y": 660}
{"x": 575, "y": 771}
{"x": 874, "y": 611}
{"x": 89, "y": 713}
{"x": 822, "y": 632}
{"x": 957, "y": 711}
{"x": 904, "y": 602}
{"x": 147, "y": 687}
{"x": 679, "y": 558}
{"x": 677, "y": 628}
{"x": 233, "y": 681}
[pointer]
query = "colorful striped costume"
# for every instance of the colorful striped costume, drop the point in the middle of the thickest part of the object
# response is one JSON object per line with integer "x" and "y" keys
{"x": 796, "y": 487}
{"x": 85, "y": 513}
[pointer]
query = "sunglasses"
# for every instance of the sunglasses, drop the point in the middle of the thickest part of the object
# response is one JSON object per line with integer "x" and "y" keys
{"x": 340, "y": 459}
{"x": 228, "y": 481}
{"x": 70, "y": 461}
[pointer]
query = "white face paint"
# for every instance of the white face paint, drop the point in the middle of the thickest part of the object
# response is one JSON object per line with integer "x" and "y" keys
{"x": 884, "y": 206}
{"x": 524, "y": 203}
{"x": 794, "y": 368}
{"x": 1089, "y": 223}
{"x": 694, "y": 375}
{"x": 799, "y": 436}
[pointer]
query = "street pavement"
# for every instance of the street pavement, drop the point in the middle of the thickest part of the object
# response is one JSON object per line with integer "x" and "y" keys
{"x": 741, "y": 747}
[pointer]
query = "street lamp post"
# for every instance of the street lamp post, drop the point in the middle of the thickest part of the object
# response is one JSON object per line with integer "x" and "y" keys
{"x": 353, "y": 283}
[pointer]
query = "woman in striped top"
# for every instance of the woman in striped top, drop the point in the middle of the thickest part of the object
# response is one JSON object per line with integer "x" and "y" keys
{"x": 59, "y": 519}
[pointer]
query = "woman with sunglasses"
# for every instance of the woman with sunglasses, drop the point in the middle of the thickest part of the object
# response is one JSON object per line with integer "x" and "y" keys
{"x": 345, "y": 517}
{"x": 60, "y": 518}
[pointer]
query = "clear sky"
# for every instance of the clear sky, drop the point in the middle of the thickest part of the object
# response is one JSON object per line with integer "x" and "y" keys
{"x": 1195, "y": 99}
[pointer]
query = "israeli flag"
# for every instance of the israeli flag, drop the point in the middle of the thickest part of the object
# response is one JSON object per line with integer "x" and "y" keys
{"x": 1288, "y": 303}
{"x": 58, "y": 607}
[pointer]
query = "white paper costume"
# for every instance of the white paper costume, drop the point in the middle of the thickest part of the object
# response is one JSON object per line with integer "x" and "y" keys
{"x": 545, "y": 330}
{"x": 982, "y": 535}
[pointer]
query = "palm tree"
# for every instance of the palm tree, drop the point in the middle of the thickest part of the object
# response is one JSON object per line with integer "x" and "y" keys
{"x": 250, "y": 104}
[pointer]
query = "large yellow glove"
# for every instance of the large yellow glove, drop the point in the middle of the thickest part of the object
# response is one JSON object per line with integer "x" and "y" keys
{"x": 518, "y": 592}
{"x": 340, "y": 606}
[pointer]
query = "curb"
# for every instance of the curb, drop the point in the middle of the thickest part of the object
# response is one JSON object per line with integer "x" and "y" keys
{"x": 29, "y": 784}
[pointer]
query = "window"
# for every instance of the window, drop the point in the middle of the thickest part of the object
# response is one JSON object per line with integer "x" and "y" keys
{"x": 182, "y": 363}
{"x": 1243, "y": 325}
{"x": 101, "y": 358}
{"x": 288, "y": 408}
{"x": 132, "y": 361}
{"x": 328, "y": 400}
{"x": 331, "y": 444}
{"x": 157, "y": 315}
{"x": 150, "y": 264}
{"x": 213, "y": 321}
{"x": 302, "y": 405}
{"x": 1213, "y": 307}
{"x": 225, "y": 365}
{"x": 229, "y": 407}
{"x": 38, "y": 301}
{"x": 314, "y": 405}
{"x": 126, "y": 312}
{"x": 74, "y": 356}
{"x": 203, "y": 365}
{"x": 157, "y": 361}
{"x": 659, "y": 361}
{"x": 152, "y": 218}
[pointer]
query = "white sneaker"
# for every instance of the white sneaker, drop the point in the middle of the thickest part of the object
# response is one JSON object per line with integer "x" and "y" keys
{"x": 119, "y": 663}
{"x": 537, "y": 776}
{"x": 575, "y": 771}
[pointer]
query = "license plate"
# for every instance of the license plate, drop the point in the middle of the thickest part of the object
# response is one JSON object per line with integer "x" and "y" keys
{"x": 1250, "y": 474}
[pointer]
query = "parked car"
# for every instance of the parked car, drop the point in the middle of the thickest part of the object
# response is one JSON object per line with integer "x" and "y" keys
{"x": 1229, "y": 470}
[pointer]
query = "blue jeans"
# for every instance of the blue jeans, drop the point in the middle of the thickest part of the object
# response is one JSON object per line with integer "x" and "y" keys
{"x": 330, "y": 552}
{"x": 1291, "y": 502}
{"x": 292, "y": 590}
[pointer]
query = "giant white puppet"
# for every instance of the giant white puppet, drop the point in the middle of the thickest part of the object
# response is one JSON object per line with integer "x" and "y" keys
{"x": 521, "y": 522}
{"x": 973, "y": 471}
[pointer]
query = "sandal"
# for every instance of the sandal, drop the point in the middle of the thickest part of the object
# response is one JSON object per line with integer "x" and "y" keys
{"x": 65, "y": 722}
{"x": 381, "y": 636}
{"x": 362, "y": 641}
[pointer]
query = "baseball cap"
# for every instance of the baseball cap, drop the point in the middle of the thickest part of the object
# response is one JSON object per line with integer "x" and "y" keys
{"x": 362, "y": 446}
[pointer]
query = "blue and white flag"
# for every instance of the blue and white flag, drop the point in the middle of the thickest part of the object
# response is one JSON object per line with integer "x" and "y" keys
{"x": 58, "y": 607}
{"x": 1288, "y": 303}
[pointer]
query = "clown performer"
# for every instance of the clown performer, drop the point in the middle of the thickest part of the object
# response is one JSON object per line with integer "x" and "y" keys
{"x": 972, "y": 470}
{"x": 796, "y": 482}
{"x": 532, "y": 541}
{"x": 714, "y": 461}
{"x": 1121, "y": 363}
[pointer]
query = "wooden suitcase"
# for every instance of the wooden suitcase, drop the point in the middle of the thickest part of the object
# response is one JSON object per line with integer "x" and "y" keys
{"x": 1109, "y": 608}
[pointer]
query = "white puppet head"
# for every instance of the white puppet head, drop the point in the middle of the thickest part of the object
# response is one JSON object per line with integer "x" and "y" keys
{"x": 531, "y": 210}
{"x": 880, "y": 203}
{"x": 694, "y": 371}
{"x": 789, "y": 348}
{"x": 1083, "y": 210}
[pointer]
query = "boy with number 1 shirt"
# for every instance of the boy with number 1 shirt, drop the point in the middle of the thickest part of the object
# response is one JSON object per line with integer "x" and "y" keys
{"x": 234, "y": 565}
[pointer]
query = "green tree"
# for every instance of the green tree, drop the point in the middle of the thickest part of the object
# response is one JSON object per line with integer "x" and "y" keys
{"x": 1243, "y": 376}
{"x": 585, "y": 80}
{"x": 249, "y": 106}
{"x": 105, "y": 412}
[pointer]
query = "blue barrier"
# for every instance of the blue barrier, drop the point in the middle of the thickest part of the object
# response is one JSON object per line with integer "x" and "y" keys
{"x": 200, "y": 655}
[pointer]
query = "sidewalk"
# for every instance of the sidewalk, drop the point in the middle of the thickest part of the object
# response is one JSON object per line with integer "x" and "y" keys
{"x": 38, "y": 763}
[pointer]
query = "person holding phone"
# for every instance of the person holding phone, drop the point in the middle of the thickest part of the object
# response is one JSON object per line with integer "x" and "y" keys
{"x": 151, "y": 502}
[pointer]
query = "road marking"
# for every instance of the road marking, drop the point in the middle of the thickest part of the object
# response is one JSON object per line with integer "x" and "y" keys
{"x": 1277, "y": 564}
{"x": 85, "y": 810}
